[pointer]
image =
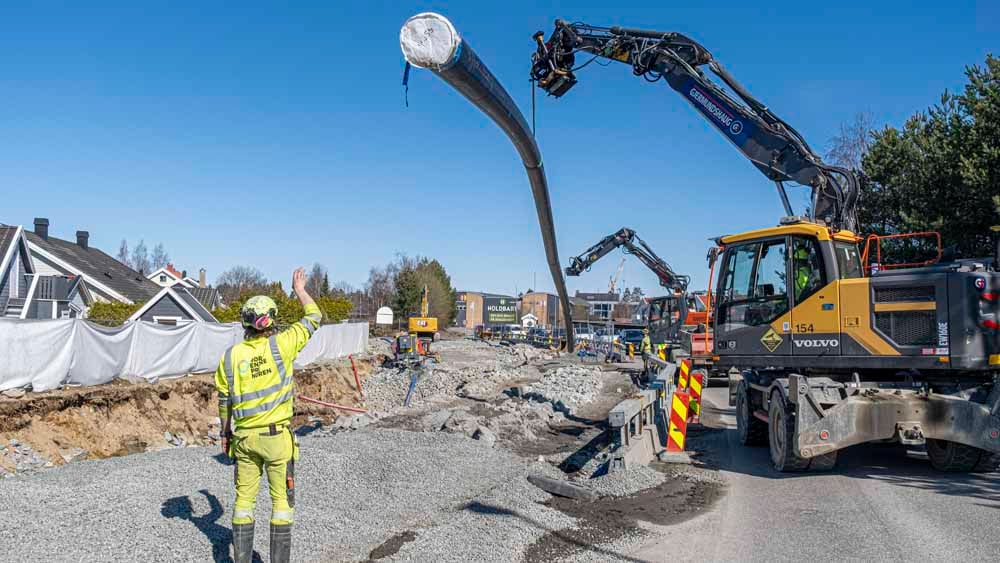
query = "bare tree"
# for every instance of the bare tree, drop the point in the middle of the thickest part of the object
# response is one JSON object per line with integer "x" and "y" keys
{"x": 381, "y": 285}
{"x": 123, "y": 253}
{"x": 852, "y": 143}
{"x": 160, "y": 257}
{"x": 314, "y": 283}
{"x": 239, "y": 279}
{"x": 140, "y": 258}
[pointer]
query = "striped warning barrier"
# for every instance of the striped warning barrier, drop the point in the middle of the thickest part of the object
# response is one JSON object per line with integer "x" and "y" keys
{"x": 684, "y": 375}
{"x": 677, "y": 432}
{"x": 697, "y": 381}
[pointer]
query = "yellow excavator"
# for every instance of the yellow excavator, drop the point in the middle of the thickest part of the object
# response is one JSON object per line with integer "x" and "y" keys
{"x": 425, "y": 327}
{"x": 822, "y": 351}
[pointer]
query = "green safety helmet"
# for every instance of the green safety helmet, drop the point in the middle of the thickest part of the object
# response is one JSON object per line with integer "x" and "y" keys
{"x": 259, "y": 312}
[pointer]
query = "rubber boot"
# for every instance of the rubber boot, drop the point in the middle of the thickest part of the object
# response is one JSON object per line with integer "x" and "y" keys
{"x": 281, "y": 543}
{"x": 243, "y": 543}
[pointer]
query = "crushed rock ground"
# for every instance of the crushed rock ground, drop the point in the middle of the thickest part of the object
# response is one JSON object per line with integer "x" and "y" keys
{"x": 441, "y": 480}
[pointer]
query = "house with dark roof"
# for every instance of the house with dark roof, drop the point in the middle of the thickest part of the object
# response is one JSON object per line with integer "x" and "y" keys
{"x": 106, "y": 278}
{"x": 173, "y": 305}
{"x": 169, "y": 276}
{"x": 209, "y": 297}
{"x": 27, "y": 294}
{"x": 16, "y": 271}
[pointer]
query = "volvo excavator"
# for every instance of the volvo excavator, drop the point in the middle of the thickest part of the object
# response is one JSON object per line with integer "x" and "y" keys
{"x": 820, "y": 354}
{"x": 666, "y": 315}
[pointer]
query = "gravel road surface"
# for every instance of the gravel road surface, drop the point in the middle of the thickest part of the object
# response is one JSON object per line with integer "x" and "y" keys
{"x": 409, "y": 495}
{"x": 878, "y": 505}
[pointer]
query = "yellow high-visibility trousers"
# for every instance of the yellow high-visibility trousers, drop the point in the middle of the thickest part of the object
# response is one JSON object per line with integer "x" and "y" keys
{"x": 257, "y": 450}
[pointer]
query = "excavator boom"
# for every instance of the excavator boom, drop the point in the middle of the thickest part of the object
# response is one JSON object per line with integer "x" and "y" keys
{"x": 630, "y": 242}
{"x": 771, "y": 144}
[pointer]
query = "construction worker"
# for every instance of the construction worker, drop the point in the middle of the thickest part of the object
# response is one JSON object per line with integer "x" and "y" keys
{"x": 256, "y": 391}
{"x": 804, "y": 271}
{"x": 646, "y": 349}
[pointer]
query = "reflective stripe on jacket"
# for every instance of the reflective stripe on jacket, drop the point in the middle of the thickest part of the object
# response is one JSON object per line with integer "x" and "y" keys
{"x": 254, "y": 378}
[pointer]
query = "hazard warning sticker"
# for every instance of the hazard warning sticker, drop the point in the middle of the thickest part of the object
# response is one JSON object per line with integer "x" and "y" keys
{"x": 771, "y": 340}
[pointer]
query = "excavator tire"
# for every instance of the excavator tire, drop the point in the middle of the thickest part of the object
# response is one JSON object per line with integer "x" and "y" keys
{"x": 752, "y": 431}
{"x": 960, "y": 458}
{"x": 781, "y": 431}
{"x": 988, "y": 463}
{"x": 824, "y": 462}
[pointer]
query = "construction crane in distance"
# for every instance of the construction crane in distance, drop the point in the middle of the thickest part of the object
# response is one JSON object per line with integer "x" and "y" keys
{"x": 613, "y": 282}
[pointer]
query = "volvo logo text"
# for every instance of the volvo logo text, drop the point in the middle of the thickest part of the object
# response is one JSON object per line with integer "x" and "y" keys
{"x": 817, "y": 343}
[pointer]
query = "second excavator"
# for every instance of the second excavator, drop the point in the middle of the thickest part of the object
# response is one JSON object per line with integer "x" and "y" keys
{"x": 665, "y": 316}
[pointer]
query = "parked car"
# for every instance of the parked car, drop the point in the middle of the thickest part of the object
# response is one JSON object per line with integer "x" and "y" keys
{"x": 632, "y": 336}
{"x": 538, "y": 336}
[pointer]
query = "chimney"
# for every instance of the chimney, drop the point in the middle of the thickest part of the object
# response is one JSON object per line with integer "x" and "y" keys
{"x": 201, "y": 278}
{"x": 83, "y": 239}
{"x": 184, "y": 274}
{"x": 42, "y": 227}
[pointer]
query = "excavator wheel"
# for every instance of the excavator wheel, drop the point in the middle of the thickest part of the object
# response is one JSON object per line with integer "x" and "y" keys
{"x": 752, "y": 431}
{"x": 960, "y": 458}
{"x": 781, "y": 431}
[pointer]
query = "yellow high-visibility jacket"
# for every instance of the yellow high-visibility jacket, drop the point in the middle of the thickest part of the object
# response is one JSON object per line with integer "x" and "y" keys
{"x": 254, "y": 378}
{"x": 647, "y": 344}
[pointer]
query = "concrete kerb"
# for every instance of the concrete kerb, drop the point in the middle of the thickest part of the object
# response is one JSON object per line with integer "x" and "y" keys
{"x": 638, "y": 426}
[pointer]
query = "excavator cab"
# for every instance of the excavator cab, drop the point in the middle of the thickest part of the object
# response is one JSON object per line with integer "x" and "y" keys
{"x": 779, "y": 291}
{"x": 792, "y": 293}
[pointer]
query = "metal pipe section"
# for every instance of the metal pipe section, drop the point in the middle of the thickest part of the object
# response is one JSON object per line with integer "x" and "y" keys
{"x": 430, "y": 41}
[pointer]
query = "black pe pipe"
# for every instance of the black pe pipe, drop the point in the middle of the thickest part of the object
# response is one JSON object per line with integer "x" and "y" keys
{"x": 430, "y": 41}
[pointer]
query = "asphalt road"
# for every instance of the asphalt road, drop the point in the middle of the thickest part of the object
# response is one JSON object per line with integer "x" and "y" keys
{"x": 879, "y": 504}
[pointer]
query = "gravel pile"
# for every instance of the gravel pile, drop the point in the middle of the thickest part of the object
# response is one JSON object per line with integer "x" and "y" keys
{"x": 568, "y": 386}
{"x": 624, "y": 483}
{"x": 379, "y": 347}
{"x": 462, "y": 499}
{"x": 467, "y": 368}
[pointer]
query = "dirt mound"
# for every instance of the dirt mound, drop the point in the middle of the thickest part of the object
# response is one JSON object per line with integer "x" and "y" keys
{"x": 121, "y": 418}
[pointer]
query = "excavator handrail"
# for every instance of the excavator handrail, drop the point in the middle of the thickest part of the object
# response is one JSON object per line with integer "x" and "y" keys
{"x": 878, "y": 265}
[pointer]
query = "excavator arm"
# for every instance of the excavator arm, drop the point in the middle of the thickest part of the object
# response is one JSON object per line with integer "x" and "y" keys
{"x": 771, "y": 144}
{"x": 630, "y": 242}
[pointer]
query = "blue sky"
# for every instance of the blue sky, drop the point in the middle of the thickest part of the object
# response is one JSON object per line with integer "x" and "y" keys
{"x": 274, "y": 134}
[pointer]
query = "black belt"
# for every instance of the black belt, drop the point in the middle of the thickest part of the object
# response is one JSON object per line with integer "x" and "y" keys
{"x": 273, "y": 430}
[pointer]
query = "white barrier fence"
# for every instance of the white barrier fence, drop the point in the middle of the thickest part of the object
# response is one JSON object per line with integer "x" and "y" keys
{"x": 48, "y": 354}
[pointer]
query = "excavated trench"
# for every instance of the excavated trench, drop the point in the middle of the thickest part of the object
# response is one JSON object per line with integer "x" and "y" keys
{"x": 40, "y": 430}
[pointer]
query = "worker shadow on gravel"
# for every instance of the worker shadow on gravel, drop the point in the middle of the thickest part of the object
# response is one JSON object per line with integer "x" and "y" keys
{"x": 562, "y": 535}
{"x": 220, "y": 536}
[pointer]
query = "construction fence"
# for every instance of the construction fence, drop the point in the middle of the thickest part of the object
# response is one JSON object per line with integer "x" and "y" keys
{"x": 48, "y": 354}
